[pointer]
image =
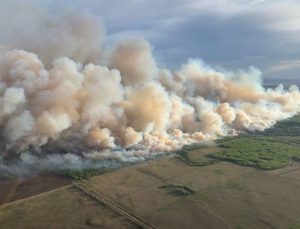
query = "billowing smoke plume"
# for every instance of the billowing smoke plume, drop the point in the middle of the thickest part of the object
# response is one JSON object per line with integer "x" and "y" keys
{"x": 51, "y": 33}
{"x": 55, "y": 96}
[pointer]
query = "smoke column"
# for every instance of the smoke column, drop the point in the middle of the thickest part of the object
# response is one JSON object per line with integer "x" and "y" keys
{"x": 60, "y": 90}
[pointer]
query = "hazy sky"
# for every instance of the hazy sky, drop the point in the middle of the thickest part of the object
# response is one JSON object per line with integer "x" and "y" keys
{"x": 228, "y": 33}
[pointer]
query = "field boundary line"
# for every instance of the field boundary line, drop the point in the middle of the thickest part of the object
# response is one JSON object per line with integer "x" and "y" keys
{"x": 19, "y": 201}
{"x": 115, "y": 207}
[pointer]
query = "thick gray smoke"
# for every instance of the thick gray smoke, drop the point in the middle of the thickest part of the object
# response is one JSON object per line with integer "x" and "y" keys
{"x": 51, "y": 33}
{"x": 55, "y": 95}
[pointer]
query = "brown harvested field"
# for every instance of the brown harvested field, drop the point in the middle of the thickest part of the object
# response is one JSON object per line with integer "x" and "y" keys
{"x": 224, "y": 196}
{"x": 66, "y": 207}
{"x": 12, "y": 189}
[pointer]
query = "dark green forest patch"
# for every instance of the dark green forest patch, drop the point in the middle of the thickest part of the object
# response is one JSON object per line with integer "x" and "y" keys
{"x": 273, "y": 148}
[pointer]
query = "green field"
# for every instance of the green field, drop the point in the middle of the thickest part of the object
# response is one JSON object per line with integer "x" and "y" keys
{"x": 271, "y": 149}
{"x": 274, "y": 148}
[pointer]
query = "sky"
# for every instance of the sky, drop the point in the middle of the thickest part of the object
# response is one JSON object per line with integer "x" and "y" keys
{"x": 232, "y": 34}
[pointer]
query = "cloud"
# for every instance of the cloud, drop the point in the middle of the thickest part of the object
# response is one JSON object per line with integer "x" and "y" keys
{"x": 286, "y": 71}
{"x": 230, "y": 33}
{"x": 283, "y": 65}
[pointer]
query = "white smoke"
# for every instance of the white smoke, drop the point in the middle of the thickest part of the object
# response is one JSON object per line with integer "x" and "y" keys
{"x": 50, "y": 96}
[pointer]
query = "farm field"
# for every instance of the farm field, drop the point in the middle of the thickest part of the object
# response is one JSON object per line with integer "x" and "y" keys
{"x": 224, "y": 195}
{"x": 202, "y": 187}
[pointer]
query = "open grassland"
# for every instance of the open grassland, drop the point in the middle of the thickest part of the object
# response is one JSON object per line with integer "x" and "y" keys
{"x": 169, "y": 194}
{"x": 66, "y": 207}
{"x": 15, "y": 188}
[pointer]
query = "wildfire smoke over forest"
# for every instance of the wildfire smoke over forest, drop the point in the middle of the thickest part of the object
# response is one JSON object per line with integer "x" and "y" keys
{"x": 61, "y": 87}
